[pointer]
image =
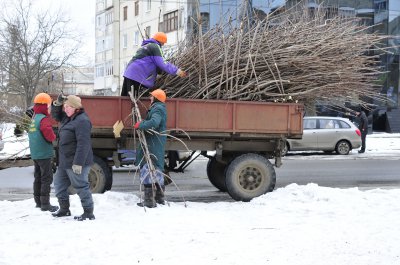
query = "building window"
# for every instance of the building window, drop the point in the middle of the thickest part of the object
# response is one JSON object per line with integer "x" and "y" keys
{"x": 99, "y": 23}
{"x": 99, "y": 71}
{"x": 136, "y": 8}
{"x": 136, "y": 38}
{"x": 124, "y": 41}
{"x": 109, "y": 18}
{"x": 125, "y": 12}
{"x": 170, "y": 21}
{"x": 109, "y": 68}
{"x": 148, "y": 5}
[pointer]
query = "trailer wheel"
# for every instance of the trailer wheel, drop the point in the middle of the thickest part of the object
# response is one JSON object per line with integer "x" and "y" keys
{"x": 100, "y": 176}
{"x": 216, "y": 174}
{"x": 109, "y": 180}
{"x": 249, "y": 176}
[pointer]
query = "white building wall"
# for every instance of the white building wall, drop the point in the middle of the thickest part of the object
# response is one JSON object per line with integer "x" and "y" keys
{"x": 107, "y": 47}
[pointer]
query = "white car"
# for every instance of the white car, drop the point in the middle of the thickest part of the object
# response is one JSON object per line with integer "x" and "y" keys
{"x": 326, "y": 134}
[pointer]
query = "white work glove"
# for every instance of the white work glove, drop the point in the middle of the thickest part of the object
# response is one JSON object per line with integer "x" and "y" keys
{"x": 77, "y": 169}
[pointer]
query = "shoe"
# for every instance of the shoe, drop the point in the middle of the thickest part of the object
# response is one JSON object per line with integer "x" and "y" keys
{"x": 45, "y": 204}
{"x": 360, "y": 151}
{"x": 160, "y": 194}
{"x": 62, "y": 213}
{"x": 48, "y": 207}
{"x": 87, "y": 214}
{"x": 149, "y": 200}
{"x": 64, "y": 209}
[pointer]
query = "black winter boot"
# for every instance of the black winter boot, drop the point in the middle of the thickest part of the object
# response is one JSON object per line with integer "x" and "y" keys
{"x": 87, "y": 214}
{"x": 149, "y": 200}
{"x": 160, "y": 189}
{"x": 45, "y": 204}
{"x": 37, "y": 201}
{"x": 64, "y": 209}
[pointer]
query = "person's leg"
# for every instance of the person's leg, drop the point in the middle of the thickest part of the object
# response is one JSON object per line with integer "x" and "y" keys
{"x": 36, "y": 183}
{"x": 80, "y": 182}
{"x": 46, "y": 180}
{"x": 61, "y": 184}
{"x": 127, "y": 86}
{"x": 363, "y": 138}
{"x": 149, "y": 194}
{"x": 139, "y": 89}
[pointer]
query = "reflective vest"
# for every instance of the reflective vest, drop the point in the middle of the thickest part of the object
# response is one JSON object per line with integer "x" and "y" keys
{"x": 40, "y": 148}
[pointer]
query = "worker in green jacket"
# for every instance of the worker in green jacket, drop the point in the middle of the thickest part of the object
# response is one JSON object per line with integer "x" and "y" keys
{"x": 41, "y": 136}
{"x": 156, "y": 120}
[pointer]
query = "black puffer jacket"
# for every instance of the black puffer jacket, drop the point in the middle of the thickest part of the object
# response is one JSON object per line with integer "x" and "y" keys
{"x": 74, "y": 144}
{"x": 363, "y": 125}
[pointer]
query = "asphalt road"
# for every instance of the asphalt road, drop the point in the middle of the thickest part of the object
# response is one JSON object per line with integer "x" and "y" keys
{"x": 193, "y": 185}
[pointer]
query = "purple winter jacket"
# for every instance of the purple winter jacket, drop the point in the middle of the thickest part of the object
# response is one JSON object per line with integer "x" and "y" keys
{"x": 144, "y": 64}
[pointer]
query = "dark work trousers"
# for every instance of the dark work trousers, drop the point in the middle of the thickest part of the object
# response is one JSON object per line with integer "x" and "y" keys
{"x": 127, "y": 87}
{"x": 43, "y": 177}
{"x": 363, "y": 138}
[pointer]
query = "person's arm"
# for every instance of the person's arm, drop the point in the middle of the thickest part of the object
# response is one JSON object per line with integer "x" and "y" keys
{"x": 57, "y": 113}
{"x": 158, "y": 60}
{"x": 82, "y": 134}
{"x": 47, "y": 130}
{"x": 153, "y": 122}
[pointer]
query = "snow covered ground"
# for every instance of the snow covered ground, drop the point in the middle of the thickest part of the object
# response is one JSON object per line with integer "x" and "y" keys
{"x": 292, "y": 225}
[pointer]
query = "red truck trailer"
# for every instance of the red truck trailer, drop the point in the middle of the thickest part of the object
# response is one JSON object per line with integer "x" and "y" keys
{"x": 244, "y": 136}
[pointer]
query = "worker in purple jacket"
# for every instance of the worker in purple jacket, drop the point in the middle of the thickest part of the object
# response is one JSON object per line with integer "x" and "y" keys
{"x": 141, "y": 71}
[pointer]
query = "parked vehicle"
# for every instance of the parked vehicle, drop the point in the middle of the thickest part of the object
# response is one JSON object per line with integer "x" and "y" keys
{"x": 327, "y": 134}
{"x": 244, "y": 135}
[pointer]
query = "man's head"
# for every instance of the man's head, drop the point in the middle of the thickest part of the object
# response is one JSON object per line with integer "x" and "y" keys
{"x": 161, "y": 37}
{"x": 42, "y": 103}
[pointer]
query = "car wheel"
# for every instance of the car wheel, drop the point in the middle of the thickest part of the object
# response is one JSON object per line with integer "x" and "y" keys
{"x": 343, "y": 147}
{"x": 285, "y": 150}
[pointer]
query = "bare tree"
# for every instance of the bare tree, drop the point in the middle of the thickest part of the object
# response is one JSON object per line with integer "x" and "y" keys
{"x": 32, "y": 45}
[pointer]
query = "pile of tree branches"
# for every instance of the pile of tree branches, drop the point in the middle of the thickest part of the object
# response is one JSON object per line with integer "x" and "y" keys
{"x": 294, "y": 56}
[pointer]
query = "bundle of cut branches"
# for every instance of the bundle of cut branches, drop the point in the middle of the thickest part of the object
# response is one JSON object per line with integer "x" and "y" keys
{"x": 291, "y": 56}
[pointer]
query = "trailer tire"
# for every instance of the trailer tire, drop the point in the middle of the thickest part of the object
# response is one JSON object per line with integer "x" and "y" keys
{"x": 216, "y": 174}
{"x": 249, "y": 176}
{"x": 100, "y": 177}
{"x": 109, "y": 180}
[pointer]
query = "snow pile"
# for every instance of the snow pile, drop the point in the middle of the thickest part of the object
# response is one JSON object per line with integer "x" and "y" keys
{"x": 293, "y": 225}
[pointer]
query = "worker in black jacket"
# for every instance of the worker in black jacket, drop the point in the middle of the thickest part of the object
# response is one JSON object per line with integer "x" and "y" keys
{"x": 363, "y": 127}
{"x": 75, "y": 155}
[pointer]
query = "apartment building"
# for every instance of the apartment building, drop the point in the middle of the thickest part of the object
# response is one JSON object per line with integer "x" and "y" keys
{"x": 106, "y": 80}
{"x": 121, "y": 27}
